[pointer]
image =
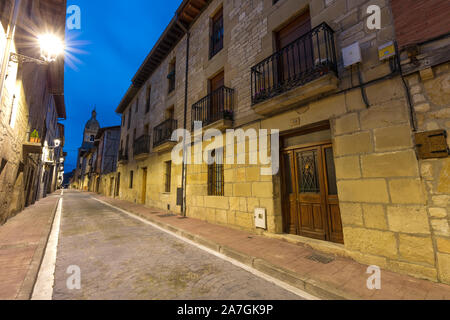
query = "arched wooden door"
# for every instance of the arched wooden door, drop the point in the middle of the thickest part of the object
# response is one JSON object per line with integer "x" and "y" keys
{"x": 310, "y": 200}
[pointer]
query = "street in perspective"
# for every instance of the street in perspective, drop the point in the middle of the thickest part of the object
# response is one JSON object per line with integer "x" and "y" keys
{"x": 226, "y": 157}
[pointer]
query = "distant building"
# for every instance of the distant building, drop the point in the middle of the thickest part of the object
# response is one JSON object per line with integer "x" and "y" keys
{"x": 80, "y": 179}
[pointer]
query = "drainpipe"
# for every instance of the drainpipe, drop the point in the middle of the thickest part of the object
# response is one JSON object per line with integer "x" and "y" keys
{"x": 184, "y": 168}
{"x": 9, "y": 38}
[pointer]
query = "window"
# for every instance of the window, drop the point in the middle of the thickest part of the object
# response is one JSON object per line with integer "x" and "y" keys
{"x": 215, "y": 176}
{"x": 126, "y": 145}
{"x": 131, "y": 179}
{"x": 129, "y": 118}
{"x": 123, "y": 120}
{"x": 171, "y": 76}
{"x": 137, "y": 105}
{"x": 147, "y": 102}
{"x": 92, "y": 138}
{"x": 168, "y": 175}
{"x": 147, "y": 129}
{"x": 216, "y": 43}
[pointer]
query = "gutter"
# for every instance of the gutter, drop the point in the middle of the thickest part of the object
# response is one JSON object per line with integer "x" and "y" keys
{"x": 186, "y": 82}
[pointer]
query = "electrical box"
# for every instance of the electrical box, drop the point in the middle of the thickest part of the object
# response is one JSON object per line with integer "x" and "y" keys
{"x": 432, "y": 144}
{"x": 386, "y": 51}
{"x": 260, "y": 218}
{"x": 351, "y": 54}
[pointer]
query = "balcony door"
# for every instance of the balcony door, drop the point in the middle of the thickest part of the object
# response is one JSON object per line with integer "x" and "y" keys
{"x": 216, "y": 97}
{"x": 295, "y": 57}
{"x": 310, "y": 200}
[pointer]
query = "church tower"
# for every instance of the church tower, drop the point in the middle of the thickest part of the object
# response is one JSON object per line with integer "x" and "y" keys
{"x": 90, "y": 131}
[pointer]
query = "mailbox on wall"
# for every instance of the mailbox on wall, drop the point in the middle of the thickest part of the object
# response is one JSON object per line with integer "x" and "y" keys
{"x": 432, "y": 144}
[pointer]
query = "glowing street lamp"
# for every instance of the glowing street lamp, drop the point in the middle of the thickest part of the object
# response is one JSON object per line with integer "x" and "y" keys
{"x": 51, "y": 48}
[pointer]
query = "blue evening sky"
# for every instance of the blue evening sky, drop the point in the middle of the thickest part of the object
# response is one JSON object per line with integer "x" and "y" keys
{"x": 115, "y": 36}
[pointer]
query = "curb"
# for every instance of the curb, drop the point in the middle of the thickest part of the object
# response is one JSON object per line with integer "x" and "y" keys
{"x": 27, "y": 287}
{"x": 311, "y": 286}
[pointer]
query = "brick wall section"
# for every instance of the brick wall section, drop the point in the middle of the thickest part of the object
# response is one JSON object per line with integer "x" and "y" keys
{"x": 418, "y": 21}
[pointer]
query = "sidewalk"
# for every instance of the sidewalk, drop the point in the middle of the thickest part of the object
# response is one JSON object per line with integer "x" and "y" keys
{"x": 341, "y": 278}
{"x": 23, "y": 239}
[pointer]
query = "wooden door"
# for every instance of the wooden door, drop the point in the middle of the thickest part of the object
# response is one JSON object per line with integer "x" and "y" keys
{"x": 331, "y": 196}
{"x": 297, "y": 58}
{"x": 217, "y": 97}
{"x": 144, "y": 185}
{"x": 310, "y": 201}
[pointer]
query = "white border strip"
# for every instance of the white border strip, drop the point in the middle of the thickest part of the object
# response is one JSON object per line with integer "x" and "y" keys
{"x": 43, "y": 288}
{"x": 239, "y": 264}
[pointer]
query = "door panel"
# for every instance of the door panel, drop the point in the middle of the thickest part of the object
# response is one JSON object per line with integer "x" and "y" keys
{"x": 295, "y": 58}
{"x": 217, "y": 98}
{"x": 310, "y": 201}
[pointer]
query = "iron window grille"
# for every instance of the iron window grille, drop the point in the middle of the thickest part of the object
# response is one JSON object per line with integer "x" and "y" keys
{"x": 163, "y": 132}
{"x": 218, "y": 105}
{"x": 303, "y": 60}
{"x": 216, "y": 177}
{"x": 141, "y": 145}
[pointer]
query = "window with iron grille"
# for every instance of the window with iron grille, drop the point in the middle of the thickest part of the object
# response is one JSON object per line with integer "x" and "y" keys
{"x": 216, "y": 42}
{"x": 131, "y": 179}
{"x": 168, "y": 175}
{"x": 215, "y": 177}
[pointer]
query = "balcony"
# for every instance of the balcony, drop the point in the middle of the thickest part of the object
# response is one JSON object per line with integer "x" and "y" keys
{"x": 162, "y": 135}
{"x": 141, "y": 147}
{"x": 304, "y": 69}
{"x": 32, "y": 143}
{"x": 215, "y": 110}
{"x": 123, "y": 156}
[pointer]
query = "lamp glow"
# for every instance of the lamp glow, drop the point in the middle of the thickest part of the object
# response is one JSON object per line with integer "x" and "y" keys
{"x": 51, "y": 47}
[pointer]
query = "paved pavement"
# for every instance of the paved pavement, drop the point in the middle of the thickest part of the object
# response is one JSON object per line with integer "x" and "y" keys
{"x": 123, "y": 258}
{"x": 22, "y": 243}
{"x": 298, "y": 265}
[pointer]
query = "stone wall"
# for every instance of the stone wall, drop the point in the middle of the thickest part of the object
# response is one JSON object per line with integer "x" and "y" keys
{"x": 393, "y": 206}
{"x": 431, "y": 98}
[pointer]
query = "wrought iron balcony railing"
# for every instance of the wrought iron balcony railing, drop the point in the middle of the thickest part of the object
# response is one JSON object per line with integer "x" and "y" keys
{"x": 218, "y": 105}
{"x": 141, "y": 145}
{"x": 163, "y": 132}
{"x": 303, "y": 60}
{"x": 123, "y": 155}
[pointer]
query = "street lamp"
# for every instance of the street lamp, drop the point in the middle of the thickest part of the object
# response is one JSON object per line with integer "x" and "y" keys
{"x": 51, "y": 47}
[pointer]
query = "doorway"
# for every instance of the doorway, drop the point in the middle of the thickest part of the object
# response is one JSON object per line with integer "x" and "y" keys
{"x": 309, "y": 193}
{"x": 144, "y": 185}
{"x": 216, "y": 107}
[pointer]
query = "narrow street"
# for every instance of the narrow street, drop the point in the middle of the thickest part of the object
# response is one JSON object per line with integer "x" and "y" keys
{"x": 124, "y": 258}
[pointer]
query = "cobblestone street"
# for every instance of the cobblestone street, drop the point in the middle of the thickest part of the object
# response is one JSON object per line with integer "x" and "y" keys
{"x": 123, "y": 258}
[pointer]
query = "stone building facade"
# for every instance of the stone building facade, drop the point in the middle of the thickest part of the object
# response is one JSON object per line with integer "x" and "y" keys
{"x": 353, "y": 180}
{"x": 32, "y": 101}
